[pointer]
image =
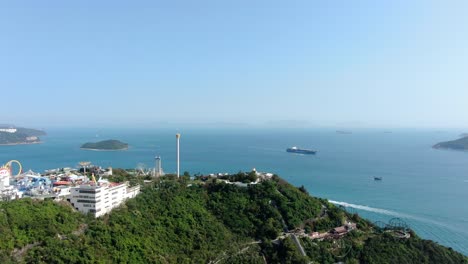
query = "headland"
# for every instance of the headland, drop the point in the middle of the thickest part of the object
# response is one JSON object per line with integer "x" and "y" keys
{"x": 247, "y": 217}
{"x": 457, "y": 144}
{"x": 11, "y": 135}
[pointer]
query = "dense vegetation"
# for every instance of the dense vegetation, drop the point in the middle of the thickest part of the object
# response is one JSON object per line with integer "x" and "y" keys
{"x": 365, "y": 247}
{"x": 25, "y": 223}
{"x": 20, "y": 136}
{"x": 194, "y": 221}
{"x": 30, "y": 132}
{"x": 458, "y": 144}
{"x": 106, "y": 145}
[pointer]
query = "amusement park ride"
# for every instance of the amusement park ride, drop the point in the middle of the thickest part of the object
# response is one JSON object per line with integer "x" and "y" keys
{"x": 55, "y": 183}
{"x": 14, "y": 184}
{"x": 8, "y": 167}
{"x": 8, "y": 192}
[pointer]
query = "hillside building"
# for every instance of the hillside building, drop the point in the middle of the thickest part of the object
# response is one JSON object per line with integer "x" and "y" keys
{"x": 100, "y": 199}
{"x": 8, "y": 130}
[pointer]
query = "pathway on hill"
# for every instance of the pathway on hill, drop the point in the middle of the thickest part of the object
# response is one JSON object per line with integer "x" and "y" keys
{"x": 286, "y": 230}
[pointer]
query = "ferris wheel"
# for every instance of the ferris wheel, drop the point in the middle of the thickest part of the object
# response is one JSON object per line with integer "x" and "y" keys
{"x": 9, "y": 166}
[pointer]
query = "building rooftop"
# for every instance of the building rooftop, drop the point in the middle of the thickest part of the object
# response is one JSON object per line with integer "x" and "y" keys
{"x": 340, "y": 229}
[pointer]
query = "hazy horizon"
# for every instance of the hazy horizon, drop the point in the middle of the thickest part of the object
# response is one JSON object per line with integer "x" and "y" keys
{"x": 259, "y": 63}
{"x": 187, "y": 126}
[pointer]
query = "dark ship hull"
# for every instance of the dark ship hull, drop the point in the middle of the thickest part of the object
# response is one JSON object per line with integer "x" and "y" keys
{"x": 301, "y": 151}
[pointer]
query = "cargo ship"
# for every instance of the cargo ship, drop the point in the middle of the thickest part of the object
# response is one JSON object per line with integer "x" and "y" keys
{"x": 301, "y": 151}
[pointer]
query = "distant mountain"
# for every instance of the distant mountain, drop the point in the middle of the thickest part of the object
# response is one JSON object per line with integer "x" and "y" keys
{"x": 343, "y": 132}
{"x": 11, "y": 135}
{"x": 105, "y": 145}
{"x": 458, "y": 144}
{"x": 288, "y": 123}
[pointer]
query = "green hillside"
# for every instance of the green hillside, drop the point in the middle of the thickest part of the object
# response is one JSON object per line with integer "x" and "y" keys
{"x": 106, "y": 145}
{"x": 183, "y": 221}
{"x": 30, "y": 132}
{"x": 21, "y": 136}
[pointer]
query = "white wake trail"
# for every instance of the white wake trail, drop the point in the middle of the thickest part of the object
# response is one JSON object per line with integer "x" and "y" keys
{"x": 370, "y": 209}
{"x": 396, "y": 214}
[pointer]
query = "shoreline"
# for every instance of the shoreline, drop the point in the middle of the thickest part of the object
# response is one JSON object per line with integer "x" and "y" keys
{"x": 104, "y": 149}
{"x": 451, "y": 149}
{"x": 22, "y": 143}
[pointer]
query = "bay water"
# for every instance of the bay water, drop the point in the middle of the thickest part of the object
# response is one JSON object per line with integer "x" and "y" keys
{"x": 426, "y": 188}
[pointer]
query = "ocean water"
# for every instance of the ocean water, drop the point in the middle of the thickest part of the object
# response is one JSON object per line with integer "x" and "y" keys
{"x": 426, "y": 188}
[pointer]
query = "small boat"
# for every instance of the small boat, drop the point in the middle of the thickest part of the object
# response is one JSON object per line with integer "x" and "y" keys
{"x": 377, "y": 178}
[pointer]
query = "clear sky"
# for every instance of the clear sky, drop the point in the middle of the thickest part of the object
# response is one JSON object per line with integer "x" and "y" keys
{"x": 333, "y": 63}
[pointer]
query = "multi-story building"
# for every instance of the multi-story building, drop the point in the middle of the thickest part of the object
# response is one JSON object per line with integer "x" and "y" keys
{"x": 8, "y": 130}
{"x": 7, "y": 192}
{"x": 99, "y": 199}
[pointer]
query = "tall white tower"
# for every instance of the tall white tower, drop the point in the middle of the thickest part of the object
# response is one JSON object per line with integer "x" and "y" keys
{"x": 158, "y": 169}
{"x": 178, "y": 154}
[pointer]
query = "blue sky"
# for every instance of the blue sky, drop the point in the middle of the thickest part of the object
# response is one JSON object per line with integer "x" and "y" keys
{"x": 327, "y": 63}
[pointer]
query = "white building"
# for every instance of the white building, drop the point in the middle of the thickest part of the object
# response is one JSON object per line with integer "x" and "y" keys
{"x": 8, "y": 130}
{"x": 101, "y": 199}
{"x": 7, "y": 192}
{"x": 61, "y": 192}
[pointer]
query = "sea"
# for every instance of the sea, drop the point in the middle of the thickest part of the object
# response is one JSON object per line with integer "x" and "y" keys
{"x": 421, "y": 187}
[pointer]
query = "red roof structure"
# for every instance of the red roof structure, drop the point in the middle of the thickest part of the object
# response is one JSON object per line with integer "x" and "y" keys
{"x": 62, "y": 183}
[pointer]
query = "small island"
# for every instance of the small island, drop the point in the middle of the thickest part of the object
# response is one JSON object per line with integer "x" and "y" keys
{"x": 458, "y": 144}
{"x": 106, "y": 145}
{"x": 11, "y": 135}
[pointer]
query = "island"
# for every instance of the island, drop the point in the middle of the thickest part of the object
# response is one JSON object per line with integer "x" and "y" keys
{"x": 105, "y": 145}
{"x": 239, "y": 218}
{"x": 458, "y": 144}
{"x": 11, "y": 135}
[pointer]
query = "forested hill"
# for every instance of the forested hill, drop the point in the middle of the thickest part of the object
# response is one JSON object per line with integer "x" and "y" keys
{"x": 184, "y": 221}
{"x": 111, "y": 144}
{"x": 20, "y": 136}
{"x": 31, "y": 132}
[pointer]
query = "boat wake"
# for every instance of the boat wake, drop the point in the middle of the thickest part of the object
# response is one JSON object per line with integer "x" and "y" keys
{"x": 397, "y": 214}
{"x": 429, "y": 228}
{"x": 369, "y": 209}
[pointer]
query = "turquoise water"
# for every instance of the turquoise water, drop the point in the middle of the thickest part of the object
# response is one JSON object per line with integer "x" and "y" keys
{"x": 426, "y": 188}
